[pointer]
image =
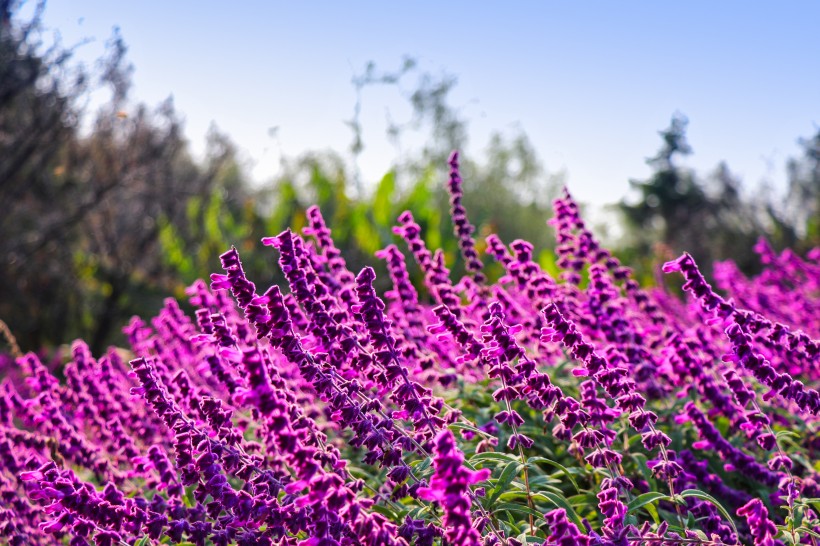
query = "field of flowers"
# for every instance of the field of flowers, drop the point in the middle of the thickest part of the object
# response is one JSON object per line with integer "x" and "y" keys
{"x": 580, "y": 409}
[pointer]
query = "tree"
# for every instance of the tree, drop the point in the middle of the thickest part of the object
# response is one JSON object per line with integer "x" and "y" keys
{"x": 509, "y": 192}
{"x": 43, "y": 204}
{"x": 669, "y": 198}
{"x": 800, "y": 215}
{"x": 709, "y": 218}
{"x": 82, "y": 246}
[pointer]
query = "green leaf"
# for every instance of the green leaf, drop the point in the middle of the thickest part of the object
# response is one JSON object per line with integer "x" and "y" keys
{"x": 653, "y": 512}
{"x": 286, "y": 201}
{"x": 559, "y": 501}
{"x": 386, "y": 511}
{"x": 559, "y": 466}
{"x": 188, "y": 498}
{"x": 808, "y": 531}
{"x": 144, "y": 541}
{"x": 481, "y": 458}
{"x": 471, "y": 428}
{"x": 698, "y": 494}
{"x": 640, "y": 463}
{"x": 382, "y": 200}
{"x": 322, "y": 185}
{"x": 642, "y": 500}
{"x": 547, "y": 261}
{"x": 690, "y": 521}
{"x": 422, "y": 465}
{"x": 416, "y": 513}
{"x": 507, "y": 475}
{"x": 513, "y": 507}
{"x": 512, "y": 528}
{"x": 701, "y": 535}
{"x": 213, "y": 230}
{"x": 583, "y": 499}
{"x": 507, "y": 496}
{"x": 173, "y": 249}
{"x": 365, "y": 235}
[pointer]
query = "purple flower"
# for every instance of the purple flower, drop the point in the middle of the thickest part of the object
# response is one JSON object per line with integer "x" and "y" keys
{"x": 461, "y": 226}
{"x": 562, "y": 531}
{"x": 762, "y": 528}
{"x": 450, "y": 486}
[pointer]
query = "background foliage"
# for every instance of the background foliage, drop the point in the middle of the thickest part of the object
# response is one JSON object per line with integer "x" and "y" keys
{"x": 107, "y": 211}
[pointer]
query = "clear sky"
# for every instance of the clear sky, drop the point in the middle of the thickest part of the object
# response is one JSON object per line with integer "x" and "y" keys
{"x": 591, "y": 83}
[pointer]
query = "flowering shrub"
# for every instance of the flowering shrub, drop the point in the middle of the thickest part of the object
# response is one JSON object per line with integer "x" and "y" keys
{"x": 575, "y": 410}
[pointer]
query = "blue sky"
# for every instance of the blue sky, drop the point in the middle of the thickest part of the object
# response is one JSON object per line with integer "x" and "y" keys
{"x": 591, "y": 83}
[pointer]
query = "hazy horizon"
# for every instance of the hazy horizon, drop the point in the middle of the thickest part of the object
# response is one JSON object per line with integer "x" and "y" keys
{"x": 591, "y": 85}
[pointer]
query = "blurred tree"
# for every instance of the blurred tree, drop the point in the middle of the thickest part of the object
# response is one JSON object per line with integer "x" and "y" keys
{"x": 800, "y": 216}
{"x": 509, "y": 192}
{"x": 160, "y": 187}
{"x": 732, "y": 222}
{"x": 670, "y": 197}
{"x": 221, "y": 210}
{"x": 146, "y": 154}
{"x": 43, "y": 204}
{"x": 81, "y": 243}
{"x": 369, "y": 77}
{"x": 709, "y": 219}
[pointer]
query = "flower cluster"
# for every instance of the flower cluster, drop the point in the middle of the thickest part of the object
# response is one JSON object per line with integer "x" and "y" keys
{"x": 462, "y": 227}
{"x": 449, "y": 486}
{"x": 509, "y": 406}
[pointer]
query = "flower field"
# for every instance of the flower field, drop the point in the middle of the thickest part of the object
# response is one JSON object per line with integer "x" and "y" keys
{"x": 572, "y": 409}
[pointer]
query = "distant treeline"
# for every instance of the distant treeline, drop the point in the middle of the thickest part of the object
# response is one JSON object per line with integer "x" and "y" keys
{"x": 100, "y": 224}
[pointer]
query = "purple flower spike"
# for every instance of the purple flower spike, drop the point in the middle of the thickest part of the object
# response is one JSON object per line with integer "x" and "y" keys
{"x": 235, "y": 281}
{"x": 762, "y": 528}
{"x": 462, "y": 228}
{"x": 564, "y": 532}
{"x": 450, "y": 487}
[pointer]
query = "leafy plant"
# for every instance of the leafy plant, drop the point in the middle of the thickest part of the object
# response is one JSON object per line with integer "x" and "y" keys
{"x": 576, "y": 408}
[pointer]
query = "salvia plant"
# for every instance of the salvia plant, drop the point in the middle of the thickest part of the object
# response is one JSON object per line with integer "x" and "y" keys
{"x": 578, "y": 409}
